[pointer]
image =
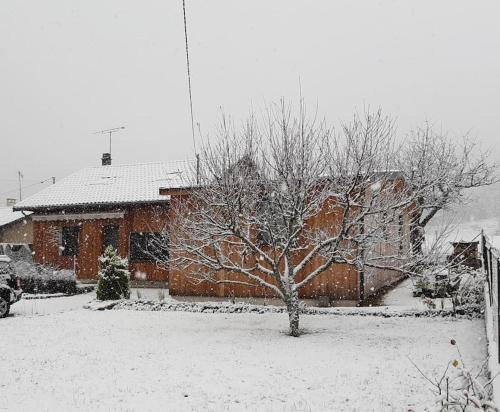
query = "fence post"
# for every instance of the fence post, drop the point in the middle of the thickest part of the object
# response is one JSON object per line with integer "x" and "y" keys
{"x": 486, "y": 264}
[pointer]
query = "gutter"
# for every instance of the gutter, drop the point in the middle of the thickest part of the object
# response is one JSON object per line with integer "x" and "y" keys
{"x": 56, "y": 208}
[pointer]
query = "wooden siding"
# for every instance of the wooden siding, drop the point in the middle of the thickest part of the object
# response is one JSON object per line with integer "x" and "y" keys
{"x": 20, "y": 231}
{"x": 150, "y": 218}
{"x": 340, "y": 282}
{"x": 377, "y": 278}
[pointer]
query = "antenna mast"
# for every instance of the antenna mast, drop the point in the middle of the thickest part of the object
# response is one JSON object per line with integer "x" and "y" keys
{"x": 110, "y": 131}
{"x": 188, "y": 73}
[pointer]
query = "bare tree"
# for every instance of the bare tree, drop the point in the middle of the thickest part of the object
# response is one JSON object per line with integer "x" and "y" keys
{"x": 440, "y": 169}
{"x": 281, "y": 200}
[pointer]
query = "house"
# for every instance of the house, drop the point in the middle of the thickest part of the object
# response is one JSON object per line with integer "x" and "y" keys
{"x": 75, "y": 219}
{"x": 15, "y": 227}
{"x": 128, "y": 206}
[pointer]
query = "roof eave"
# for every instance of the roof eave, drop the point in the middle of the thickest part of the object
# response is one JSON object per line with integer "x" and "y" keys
{"x": 12, "y": 222}
{"x": 45, "y": 208}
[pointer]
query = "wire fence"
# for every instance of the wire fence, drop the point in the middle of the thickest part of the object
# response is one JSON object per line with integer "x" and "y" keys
{"x": 490, "y": 257}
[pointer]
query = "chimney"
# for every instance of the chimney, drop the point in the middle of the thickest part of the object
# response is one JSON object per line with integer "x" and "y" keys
{"x": 106, "y": 159}
{"x": 10, "y": 202}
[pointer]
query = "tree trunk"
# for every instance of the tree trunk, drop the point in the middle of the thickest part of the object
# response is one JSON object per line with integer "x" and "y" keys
{"x": 416, "y": 234}
{"x": 292, "y": 306}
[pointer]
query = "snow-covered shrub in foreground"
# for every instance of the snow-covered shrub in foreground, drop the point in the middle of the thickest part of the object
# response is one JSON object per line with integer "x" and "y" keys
{"x": 113, "y": 277}
{"x": 461, "y": 389}
{"x": 43, "y": 279}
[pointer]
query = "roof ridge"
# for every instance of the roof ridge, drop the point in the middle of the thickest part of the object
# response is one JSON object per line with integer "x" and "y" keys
{"x": 159, "y": 162}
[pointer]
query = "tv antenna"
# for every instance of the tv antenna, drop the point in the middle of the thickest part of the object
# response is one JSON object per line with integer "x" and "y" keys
{"x": 110, "y": 131}
{"x": 188, "y": 73}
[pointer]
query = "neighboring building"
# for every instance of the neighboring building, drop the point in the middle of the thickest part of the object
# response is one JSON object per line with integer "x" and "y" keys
{"x": 15, "y": 227}
{"x": 465, "y": 253}
{"x": 77, "y": 217}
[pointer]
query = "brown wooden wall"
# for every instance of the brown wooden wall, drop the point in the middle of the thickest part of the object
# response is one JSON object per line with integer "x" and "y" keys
{"x": 137, "y": 219}
{"x": 20, "y": 231}
{"x": 341, "y": 281}
{"x": 377, "y": 278}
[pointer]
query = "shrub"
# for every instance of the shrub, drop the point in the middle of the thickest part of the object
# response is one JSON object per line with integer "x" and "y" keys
{"x": 113, "y": 278}
{"x": 463, "y": 285}
{"x": 36, "y": 278}
{"x": 470, "y": 294}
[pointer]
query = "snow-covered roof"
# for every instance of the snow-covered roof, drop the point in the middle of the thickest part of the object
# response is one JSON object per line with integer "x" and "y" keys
{"x": 7, "y": 215}
{"x": 113, "y": 184}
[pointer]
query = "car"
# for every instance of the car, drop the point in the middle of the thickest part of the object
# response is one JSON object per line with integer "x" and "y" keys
{"x": 10, "y": 286}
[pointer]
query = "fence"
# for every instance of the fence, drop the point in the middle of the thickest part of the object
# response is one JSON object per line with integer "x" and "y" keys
{"x": 491, "y": 264}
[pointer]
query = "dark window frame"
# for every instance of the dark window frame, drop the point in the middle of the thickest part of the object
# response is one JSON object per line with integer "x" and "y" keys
{"x": 142, "y": 247}
{"x": 108, "y": 238}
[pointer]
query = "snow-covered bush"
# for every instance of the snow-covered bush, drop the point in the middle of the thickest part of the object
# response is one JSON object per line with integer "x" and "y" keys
{"x": 470, "y": 293}
{"x": 461, "y": 389}
{"x": 113, "y": 277}
{"x": 17, "y": 251}
{"x": 36, "y": 278}
{"x": 463, "y": 285}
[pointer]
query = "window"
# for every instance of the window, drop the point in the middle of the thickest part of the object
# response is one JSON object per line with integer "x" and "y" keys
{"x": 148, "y": 247}
{"x": 70, "y": 241}
{"x": 111, "y": 237}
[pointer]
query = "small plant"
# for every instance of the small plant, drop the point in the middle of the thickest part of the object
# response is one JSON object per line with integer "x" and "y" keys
{"x": 422, "y": 286}
{"x": 113, "y": 281}
{"x": 459, "y": 389}
{"x": 429, "y": 303}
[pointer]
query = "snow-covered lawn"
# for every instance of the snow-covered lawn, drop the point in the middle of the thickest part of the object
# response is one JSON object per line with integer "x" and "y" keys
{"x": 128, "y": 360}
{"x": 36, "y": 307}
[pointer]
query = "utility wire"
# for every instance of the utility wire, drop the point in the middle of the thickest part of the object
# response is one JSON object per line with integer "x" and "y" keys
{"x": 188, "y": 73}
{"x": 27, "y": 186}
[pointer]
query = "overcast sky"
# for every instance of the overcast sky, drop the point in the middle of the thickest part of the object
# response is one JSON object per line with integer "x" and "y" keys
{"x": 70, "y": 68}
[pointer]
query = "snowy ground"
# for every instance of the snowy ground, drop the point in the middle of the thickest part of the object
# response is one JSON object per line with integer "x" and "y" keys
{"x": 75, "y": 359}
{"x": 37, "y": 307}
{"x": 401, "y": 297}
